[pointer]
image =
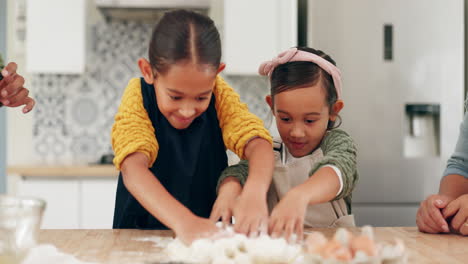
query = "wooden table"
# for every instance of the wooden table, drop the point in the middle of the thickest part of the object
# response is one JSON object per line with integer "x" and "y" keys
{"x": 138, "y": 246}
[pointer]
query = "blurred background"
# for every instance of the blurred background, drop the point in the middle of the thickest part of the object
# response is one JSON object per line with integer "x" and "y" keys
{"x": 403, "y": 65}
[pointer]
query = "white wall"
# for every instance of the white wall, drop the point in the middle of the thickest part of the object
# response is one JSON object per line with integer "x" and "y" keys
{"x": 20, "y": 147}
{"x": 19, "y": 126}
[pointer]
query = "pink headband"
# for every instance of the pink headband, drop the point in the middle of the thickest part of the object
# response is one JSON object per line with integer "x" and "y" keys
{"x": 293, "y": 54}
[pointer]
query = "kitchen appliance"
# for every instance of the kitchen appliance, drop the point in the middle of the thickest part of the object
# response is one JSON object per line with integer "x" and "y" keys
{"x": 403, "y": 76}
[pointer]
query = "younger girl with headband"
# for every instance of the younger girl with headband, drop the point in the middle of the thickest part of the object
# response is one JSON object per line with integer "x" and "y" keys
{"x": 315, "y": 163}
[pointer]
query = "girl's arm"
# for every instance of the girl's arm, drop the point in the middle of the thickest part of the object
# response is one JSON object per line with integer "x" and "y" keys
{"x": 229, "y": 189}
{"x": 251, "y": 210}
{"x": 322, "y": 187}
{"x": 259, "y": 153}
{"x": 152, "y": 195}
{"x": 339, "y": 151}
{"x": 245, "y": 135}
{"x": 239, "y": 171}
{"x": 247, "y": 204}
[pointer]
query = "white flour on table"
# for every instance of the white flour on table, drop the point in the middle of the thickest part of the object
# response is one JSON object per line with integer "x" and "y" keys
{"x": 49, "y": 254}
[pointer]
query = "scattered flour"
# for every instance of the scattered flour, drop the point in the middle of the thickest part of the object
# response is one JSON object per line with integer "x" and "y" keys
{"x": 49, "y": 254}
{"x": 235, "y": 249}
{"x": 158, "y": 241}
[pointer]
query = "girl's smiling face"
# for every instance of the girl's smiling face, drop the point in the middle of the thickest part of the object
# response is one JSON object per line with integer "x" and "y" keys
{"x": 302, "y": 117}
{"x": 184, "y": 92}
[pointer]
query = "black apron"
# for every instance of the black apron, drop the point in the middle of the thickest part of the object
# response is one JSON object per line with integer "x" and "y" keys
{"x": 188, "y": 165}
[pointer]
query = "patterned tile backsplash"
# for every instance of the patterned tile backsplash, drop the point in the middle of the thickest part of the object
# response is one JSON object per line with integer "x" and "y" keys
{"x": 75, "y": 113}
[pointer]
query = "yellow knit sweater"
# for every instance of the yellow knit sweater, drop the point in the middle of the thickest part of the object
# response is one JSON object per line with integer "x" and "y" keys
{"x": 133, "y": 131}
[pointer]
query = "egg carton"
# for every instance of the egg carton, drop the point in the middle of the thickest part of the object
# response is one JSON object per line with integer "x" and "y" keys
{"x": 345, "y": 248}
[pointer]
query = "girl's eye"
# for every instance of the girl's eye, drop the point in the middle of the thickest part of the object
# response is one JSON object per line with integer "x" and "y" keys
{"x": 285, "y": 119}
{"x": 310, "y": 121}
{"x": 202, "y": 98}
{"x": 175, "y": 98}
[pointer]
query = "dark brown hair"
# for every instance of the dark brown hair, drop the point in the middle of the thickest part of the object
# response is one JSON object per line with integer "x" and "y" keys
{"x": 301, "y": 74}
{"x": 184, "y": 36}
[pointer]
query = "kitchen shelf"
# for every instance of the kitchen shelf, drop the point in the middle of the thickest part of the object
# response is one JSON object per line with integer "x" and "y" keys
{"x": 64, "y": 171}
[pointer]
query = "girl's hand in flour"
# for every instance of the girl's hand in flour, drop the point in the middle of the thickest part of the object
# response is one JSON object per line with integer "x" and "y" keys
{"x": 196, "y": 228}
{"x": 288, "y": 216}
{"x": 251, "y": 214}
{"x": 229, "y": 191}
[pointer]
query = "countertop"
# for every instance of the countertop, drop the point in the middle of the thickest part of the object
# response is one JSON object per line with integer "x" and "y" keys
{"x": 137, "y": 246}
{"x": 64, "y": 171}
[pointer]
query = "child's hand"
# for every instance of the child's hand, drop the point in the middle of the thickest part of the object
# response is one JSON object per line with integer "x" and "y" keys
{"x": 429, "y": 217}
{"x": 459, "y": 209}
{"x": 223, "y": 208}
{"x": 288, "y": 215}
{"x": 251, "y": 214}
{"x": 196, "y": 228}
{"x": 12, "y": 92}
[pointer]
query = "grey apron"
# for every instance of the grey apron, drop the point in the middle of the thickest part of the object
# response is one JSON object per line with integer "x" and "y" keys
{"x": 290, "y": 172}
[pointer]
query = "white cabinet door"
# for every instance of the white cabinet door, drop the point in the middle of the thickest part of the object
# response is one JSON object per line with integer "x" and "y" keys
{"x": 255, "y": 31}
{"x": 55, "y": 36}
{"x": 98, "y": 199}
{"x": 62, "y": 197}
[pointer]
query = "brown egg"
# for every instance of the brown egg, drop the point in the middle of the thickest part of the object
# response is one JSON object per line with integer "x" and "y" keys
{"x": 335, "y": 250}
{"x": 343, "y": 254}
{"x": 364, "y": 244}
{"x": 315, "y": 242}
{"x": 328, "y": 250}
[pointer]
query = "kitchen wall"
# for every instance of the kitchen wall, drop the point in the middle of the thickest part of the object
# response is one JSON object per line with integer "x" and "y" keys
{"x": 74, "y": 113}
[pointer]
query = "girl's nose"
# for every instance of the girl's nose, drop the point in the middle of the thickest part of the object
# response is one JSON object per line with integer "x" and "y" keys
{"x": 297, "y": 131}
{"x": 187, "y": 112}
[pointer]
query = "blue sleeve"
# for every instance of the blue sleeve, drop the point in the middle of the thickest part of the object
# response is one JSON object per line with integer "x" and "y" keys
{"x": 458, "y": 162}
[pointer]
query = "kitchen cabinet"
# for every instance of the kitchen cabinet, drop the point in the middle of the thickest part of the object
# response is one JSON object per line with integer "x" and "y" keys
{"x": 55, "y": 36}
{"x": 97, "y": 201}
{"x": 76, "y": 197}
{"x": 61, "y": 196}
{"x": 255, "y": 31}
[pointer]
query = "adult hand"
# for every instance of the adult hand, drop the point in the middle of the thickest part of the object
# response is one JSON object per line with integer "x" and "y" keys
{"x": 458, "y": 208}
{"x": 429, "y": 217}
{"x": 12, "y": 91}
